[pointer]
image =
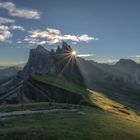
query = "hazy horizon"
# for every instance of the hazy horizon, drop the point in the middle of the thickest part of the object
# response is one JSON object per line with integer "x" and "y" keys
{"x": 84, "y": 56}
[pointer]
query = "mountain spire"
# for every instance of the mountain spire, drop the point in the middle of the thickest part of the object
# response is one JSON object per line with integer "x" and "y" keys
{"x": 65, "y": 47}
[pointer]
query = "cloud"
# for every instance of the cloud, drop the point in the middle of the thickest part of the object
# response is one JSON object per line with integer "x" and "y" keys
{"x": 108, "y": 61}
{"x": 52, "y": 36}
{"x": 16, "y": 27}
{"x": 85, "y": 55}
{"x": 85, "y": 38}
{"x": 19, "y": 12}
{"x": 35, "y": 41}
{"x": 6, "y": 20}
{"x": 19, "y": 42}
{"x": 135, "y": 58}
{"x": 74, "y": 43}
{"x": 53, "y": 31}
{"x": 3, "y": 28}
{"x": 4, "y": 33}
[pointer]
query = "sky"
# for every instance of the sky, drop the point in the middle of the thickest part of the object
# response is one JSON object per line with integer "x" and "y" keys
{"x": 100, "y": 30}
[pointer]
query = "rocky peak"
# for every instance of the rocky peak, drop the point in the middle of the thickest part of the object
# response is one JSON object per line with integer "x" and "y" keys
{"x": 41, "y": 49}
{"x": 124, "y": 62}
{"x": 52, "y": 51}
{"x": 43, "y": 62}
{"x": 58, "y": 50}
{"x": 65, "y": 47}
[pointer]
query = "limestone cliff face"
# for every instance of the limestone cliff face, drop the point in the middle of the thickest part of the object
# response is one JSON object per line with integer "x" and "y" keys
{"x": 36, "y": 91}
{"x": 56, "y": 63}
{"x": 41, "y": 61}
{"x": 120, "y": 81}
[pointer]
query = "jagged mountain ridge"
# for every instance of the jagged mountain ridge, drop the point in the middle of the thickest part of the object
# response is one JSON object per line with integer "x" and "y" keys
{"x": 120, "y": 81}
{"x": 125, "y": 71}
{"x": 41, "y": 61}
{"x": 57, "y": 63}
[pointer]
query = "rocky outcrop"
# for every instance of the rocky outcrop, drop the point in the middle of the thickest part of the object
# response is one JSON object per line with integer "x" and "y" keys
{"x": 58, "y": 63}
{"x": 38, "y": 92}
{"x": 35, "y": 91}
{"x": 120, "y": 81}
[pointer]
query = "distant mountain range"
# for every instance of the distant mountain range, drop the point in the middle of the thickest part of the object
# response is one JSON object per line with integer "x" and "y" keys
{"x": 120, "y": 81}
{"x": 7, "y": 73}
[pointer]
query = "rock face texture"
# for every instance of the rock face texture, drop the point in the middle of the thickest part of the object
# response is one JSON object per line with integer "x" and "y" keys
{"x": 57, "y": 63}
{"x": 125, "y": 72}
{"x": 38, "y": 92}
{"x": 119, "y": 81}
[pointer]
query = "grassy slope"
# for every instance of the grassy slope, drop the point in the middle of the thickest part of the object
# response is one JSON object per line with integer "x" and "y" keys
{"x": 36, "y": 106}
{"x": 86, "y": 124}
{"x": 94, "y": 98}
{"x": 128, "y": 95}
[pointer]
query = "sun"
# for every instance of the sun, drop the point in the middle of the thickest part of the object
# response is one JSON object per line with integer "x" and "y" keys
{"x": 73, "y": 53}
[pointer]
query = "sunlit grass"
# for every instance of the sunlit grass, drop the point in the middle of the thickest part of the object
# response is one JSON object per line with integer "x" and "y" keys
{"x": 85, "y": 124}
{"x": 111, "y": 106}
{"x": 93, "y": 98}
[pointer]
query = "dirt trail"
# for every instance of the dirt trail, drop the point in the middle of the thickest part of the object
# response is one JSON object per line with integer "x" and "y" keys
{"x": 24, "y": 112}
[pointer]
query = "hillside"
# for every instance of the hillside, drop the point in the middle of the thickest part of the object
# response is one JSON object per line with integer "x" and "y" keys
{"x": 90, "y": 97}
{"x": 119, "y": 82}
{"x": 100, "y": 118}
{"x": 52, "y": 89}
{"x": 80, "y": 100}
{"x": 79, "y": 124}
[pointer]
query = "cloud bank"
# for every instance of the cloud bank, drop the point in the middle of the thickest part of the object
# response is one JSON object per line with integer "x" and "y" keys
{"x": 5, "y": 31}
{"x": 20, "y": 12}
{"x": 6, "y": 20}
{"x": 85, "y": 55}
{"x": 108, "y": 61}
{"x": 135, "y": 58}
{"x": 16, "y": 27}
{"x": 52, "y": 36}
